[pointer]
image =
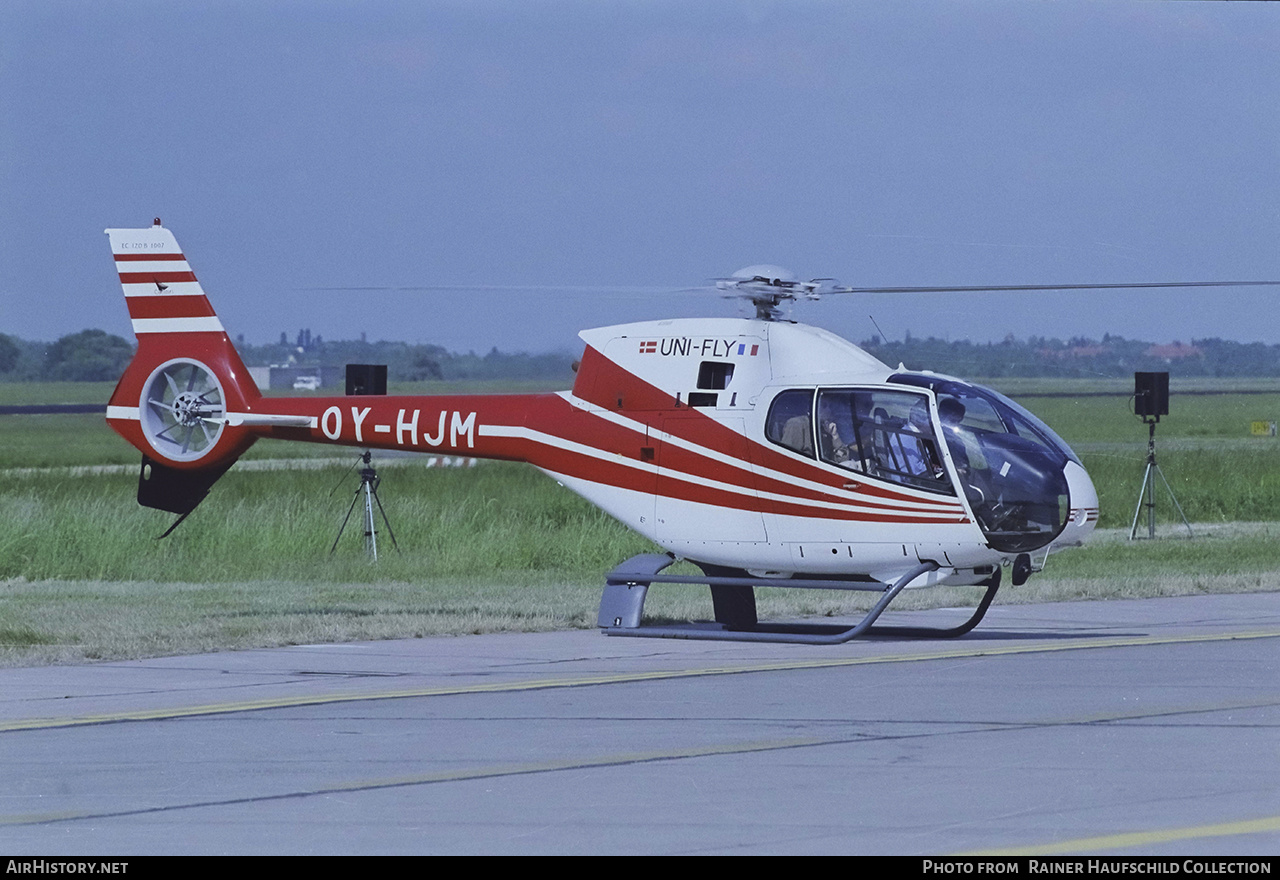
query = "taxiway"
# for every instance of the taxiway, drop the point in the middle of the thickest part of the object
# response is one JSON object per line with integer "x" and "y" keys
{"x": 1148, "y": 726}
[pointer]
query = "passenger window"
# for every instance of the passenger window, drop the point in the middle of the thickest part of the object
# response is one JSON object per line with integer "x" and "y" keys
{"x": 888, "y": 435}
{"x": 790, "y": 421}
{"x": 714, "y": 376}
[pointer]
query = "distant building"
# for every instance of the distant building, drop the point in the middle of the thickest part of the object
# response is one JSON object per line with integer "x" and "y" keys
{"x": 1174, "y": 351}
{"x": 290, "y": 376}
{"x": 1075, "y": 351}
{"x": 261, "y": 377}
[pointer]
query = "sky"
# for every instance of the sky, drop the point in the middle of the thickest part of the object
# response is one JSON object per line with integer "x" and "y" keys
{"x": 633, "y": 150}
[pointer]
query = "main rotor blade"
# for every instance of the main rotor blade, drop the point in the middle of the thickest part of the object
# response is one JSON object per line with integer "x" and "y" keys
{"x": 788, "y": 291}
{"x": 553, "y": 288}
{"x": 997, "y": 288}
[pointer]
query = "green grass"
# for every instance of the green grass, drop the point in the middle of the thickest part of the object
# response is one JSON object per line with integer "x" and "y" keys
{"x": 56, "y": 620}
{"x": 1015, "y": 386}
{"x": 1085, "y": 420}
{"x": 491, "y": 520}
{"x": 26, "y": 393}
{"x": 59, "y": 441}
{"x": 1212, "y": 483}
{"x": 492, "y": 548}
{"x": 69, "y": 621}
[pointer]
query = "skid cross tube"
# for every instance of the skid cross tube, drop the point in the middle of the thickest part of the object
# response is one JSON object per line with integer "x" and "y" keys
{"x": 622, "y": 605}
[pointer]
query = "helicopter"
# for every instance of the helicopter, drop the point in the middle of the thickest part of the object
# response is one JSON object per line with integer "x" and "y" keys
{"x": 766, "y": 453}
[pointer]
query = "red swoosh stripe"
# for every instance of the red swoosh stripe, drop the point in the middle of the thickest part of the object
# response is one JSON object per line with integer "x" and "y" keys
{"x": 562, "y": 421}
{"x": 652, "y": 407}
{"x": 169, "y": 307}
{"x": 150, "y": 277}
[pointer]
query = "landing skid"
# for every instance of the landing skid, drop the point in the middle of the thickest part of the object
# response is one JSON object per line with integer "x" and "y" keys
{"x": 622, "y": 606}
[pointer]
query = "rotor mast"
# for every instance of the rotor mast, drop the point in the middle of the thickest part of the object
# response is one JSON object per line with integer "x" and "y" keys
{"x": 768, "y": 287}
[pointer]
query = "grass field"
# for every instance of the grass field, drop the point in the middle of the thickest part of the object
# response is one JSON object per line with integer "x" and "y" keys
{"x": 501, "y": 547}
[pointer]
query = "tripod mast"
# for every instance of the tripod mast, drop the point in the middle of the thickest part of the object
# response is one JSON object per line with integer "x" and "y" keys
{"x": 369, "y": 481}
{"x": 1147, "y": 494}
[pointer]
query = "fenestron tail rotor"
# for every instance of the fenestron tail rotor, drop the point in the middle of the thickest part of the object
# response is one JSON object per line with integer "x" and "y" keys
{"x": 183, "y": 409}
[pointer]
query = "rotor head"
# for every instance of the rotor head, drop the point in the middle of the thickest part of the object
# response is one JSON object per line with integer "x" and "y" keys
{"x": 768, "y": 287}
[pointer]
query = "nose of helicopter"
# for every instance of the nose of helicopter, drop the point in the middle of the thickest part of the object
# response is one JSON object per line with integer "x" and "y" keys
{"x": 1082, "y": 516}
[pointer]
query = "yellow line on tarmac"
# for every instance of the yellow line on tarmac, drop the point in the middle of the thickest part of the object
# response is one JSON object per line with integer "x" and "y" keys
{"x": 1137, "y": 839}
{"x": 971, "y": 650}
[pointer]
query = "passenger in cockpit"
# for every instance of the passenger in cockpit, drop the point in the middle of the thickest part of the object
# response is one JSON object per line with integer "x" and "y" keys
{"x": 833, "y": 411}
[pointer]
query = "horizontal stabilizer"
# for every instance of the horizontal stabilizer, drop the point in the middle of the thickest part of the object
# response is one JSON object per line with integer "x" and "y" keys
{"x": 270, "y": 420}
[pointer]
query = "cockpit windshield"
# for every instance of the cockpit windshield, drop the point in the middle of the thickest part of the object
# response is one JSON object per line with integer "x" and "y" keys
{"x": 1010, "y": 463}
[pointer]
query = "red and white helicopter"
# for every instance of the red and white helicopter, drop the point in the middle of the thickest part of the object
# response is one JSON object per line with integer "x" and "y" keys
{"x": 767, "y": 453}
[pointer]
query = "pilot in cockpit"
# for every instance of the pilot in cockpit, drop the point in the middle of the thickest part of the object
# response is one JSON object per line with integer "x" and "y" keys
{"x": 919, "y": 455}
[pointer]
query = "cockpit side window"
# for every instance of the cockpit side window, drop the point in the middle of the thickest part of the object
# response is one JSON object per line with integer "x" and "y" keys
{"x": 884, "y": 434}
{"x": 790, "y": 421}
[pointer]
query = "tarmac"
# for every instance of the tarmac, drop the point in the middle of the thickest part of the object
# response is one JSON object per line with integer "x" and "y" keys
{"x": 1119, "y": 727}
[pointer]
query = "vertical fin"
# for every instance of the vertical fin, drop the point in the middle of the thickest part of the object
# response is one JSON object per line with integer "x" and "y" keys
{"x": 176, "y": 397}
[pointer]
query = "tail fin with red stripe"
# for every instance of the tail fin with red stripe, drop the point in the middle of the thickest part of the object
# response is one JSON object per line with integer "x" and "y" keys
{"x": 181, "y": 398}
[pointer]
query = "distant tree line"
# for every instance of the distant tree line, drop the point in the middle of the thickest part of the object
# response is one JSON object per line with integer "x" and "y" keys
{"x": 97, "y": 356}
{"x": 405, "y": 361}
{"x": 87, "y": 356}
{"x": 1110, "y": 357}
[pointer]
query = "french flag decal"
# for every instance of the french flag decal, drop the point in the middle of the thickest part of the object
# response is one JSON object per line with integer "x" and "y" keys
{"x": 742, "y": 349}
